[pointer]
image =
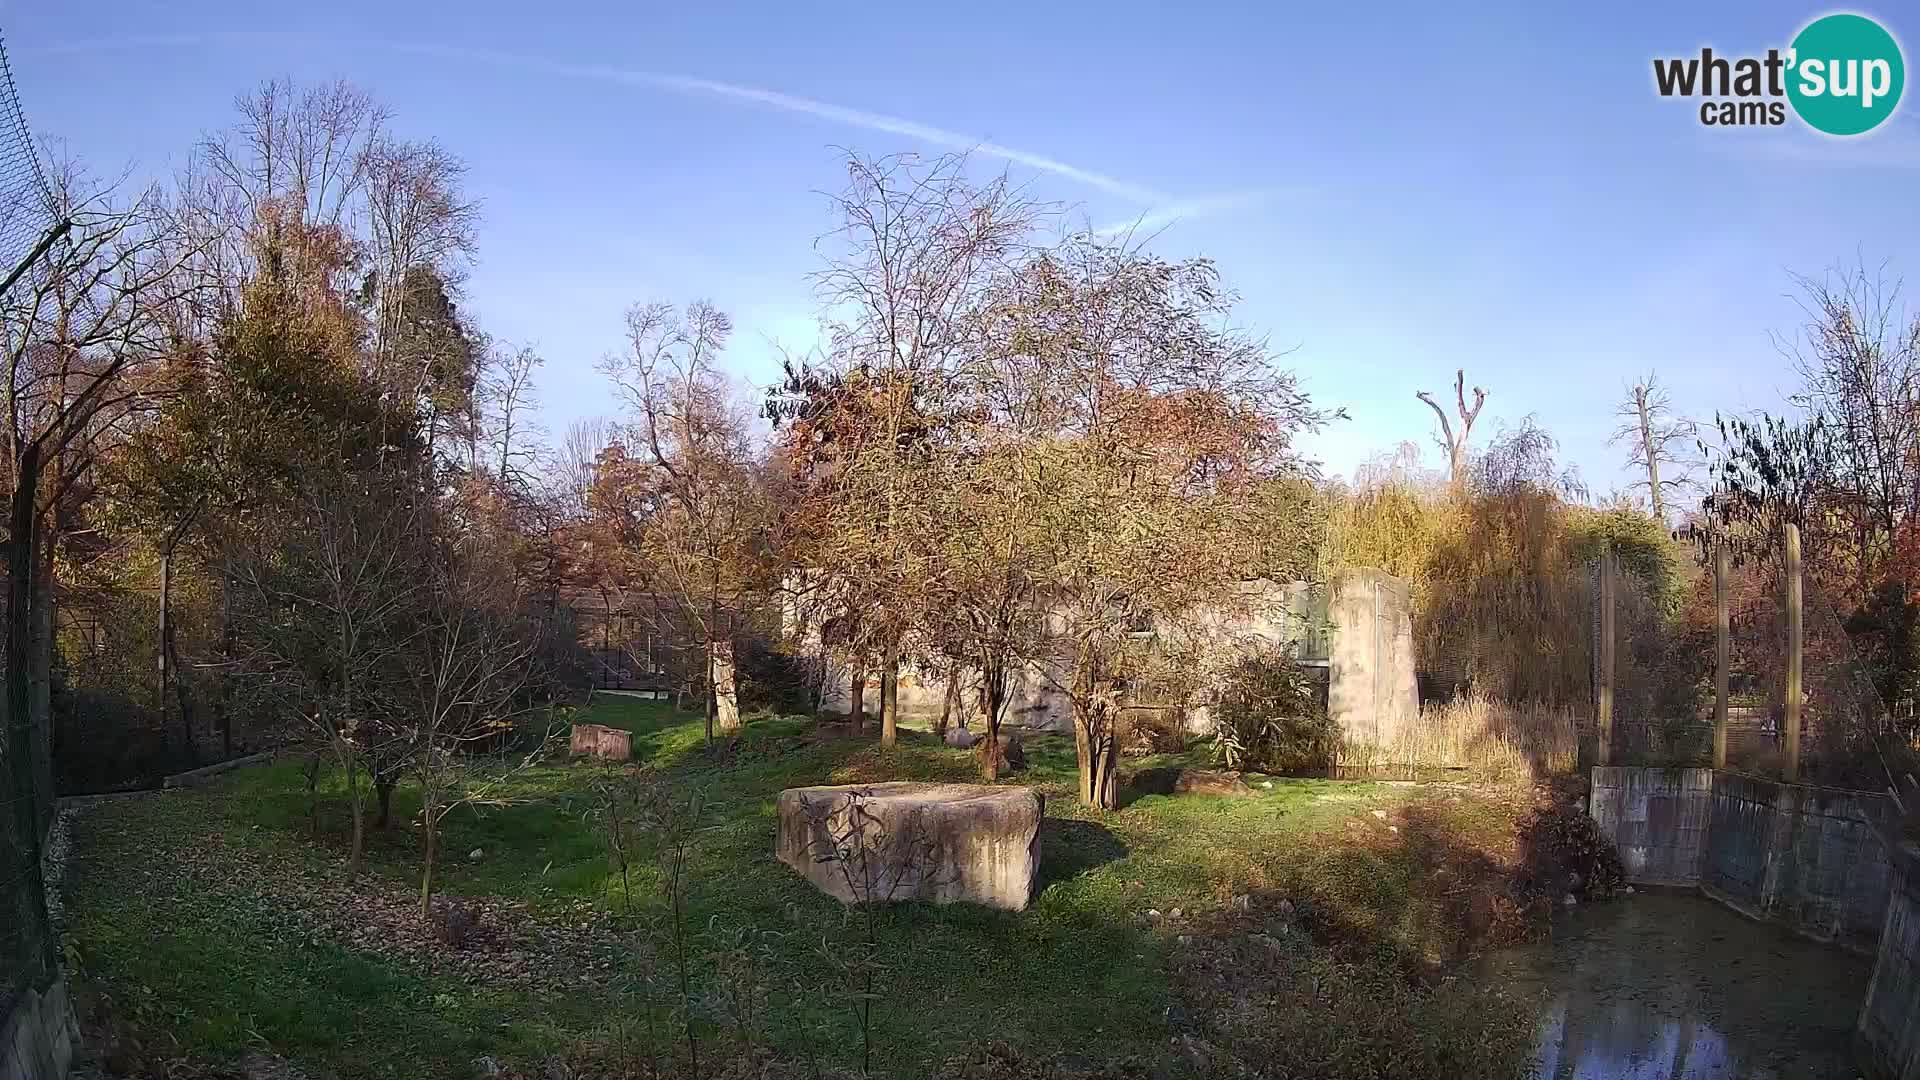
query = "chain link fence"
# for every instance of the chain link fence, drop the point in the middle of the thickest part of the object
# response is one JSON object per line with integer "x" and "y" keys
{"x": 28, "y": 948}
{"x": 1664, "y": 679}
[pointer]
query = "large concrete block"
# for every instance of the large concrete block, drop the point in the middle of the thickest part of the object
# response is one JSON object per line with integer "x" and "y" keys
{"x": 1372, "y": 691}
{"x": 915, "y": 841}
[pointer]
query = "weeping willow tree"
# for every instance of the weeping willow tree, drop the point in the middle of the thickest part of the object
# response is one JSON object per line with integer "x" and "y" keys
{"x": 1501, "y": 567}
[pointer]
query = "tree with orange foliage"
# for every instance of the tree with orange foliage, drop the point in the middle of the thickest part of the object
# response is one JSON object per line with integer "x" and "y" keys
{"x": 1137, "y": 435}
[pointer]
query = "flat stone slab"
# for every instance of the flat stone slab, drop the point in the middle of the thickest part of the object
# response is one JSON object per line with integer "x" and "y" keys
{"x": 945, "y": 843}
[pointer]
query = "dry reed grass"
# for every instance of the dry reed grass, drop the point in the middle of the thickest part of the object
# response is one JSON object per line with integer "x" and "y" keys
{"x": 1491, "y": 739}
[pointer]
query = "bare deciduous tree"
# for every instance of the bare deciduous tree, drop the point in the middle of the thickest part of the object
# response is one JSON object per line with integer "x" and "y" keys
{"x": 706, "y": 515}
{"x": 78, "y": 331}
{"x": 322, "y": 608}
{"x": 1455, "y": 443}
{"x": 1858, "y": 355}
{"x": 918, "y": 250}
{"x": 290, "y": 176}
{"x": 469, "y": 663}
{"x": 1660, "y": 444}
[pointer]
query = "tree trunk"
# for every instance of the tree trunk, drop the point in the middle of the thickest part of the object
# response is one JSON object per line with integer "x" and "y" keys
{"x": 165, "y": 661}
{"x": 1096, "y": 737}
{"x": 1652, "y": 453}
{"x": 313, "y": 794}
{"x": 857, "y": 698}
{"x": 721, "y": 682}
{"x": 28, "y": 900}
{"x": 383, "y": 785}
{"x": 40, "y": 687}
{"x": 712, "y": 702}
{"x": 182, "y": 695}
{"x": 890, "y": 697}
{"x": 357, "y": 802}
{"x": 993, "y": 702}
{"x": 1097, "y": 749}
{"x": 227, "y": 641}
{"x": 429, "y": 823}
{"x": 990, "y": 755}
{"x": 948, "y": 704}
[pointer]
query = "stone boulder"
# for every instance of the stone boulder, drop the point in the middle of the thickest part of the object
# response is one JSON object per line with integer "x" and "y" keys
{"x": 596, "y": 740}
{"x": 943, "y": 843}
{"x": 960, "y": 737}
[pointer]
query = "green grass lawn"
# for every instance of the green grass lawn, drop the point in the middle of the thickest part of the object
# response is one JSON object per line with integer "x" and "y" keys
{"x": 165, "y": 921}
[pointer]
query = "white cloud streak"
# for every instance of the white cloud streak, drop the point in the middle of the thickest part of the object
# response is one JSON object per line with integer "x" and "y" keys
{"x": 792, "y": 103}
{"x": 1169, "y": 213}
{"x": 1167, "y": 209}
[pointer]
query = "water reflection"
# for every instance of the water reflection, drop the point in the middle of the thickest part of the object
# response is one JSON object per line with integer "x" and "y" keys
{"x": 1672, "y": 987}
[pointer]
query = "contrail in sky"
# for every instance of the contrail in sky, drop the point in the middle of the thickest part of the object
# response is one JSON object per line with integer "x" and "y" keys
{"x": 1186, "y": 209}
{"x": 1168, "y": 208}
{"x": 774, "y": 99}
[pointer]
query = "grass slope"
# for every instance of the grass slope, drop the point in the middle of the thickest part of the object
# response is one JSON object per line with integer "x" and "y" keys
{"x": 171, "y": 915}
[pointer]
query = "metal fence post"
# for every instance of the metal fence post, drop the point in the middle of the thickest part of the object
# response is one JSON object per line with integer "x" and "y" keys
{"x": 1722, "y": 656}
{"x": 1603, "y": 753}
{"x": 1792, "y": 703}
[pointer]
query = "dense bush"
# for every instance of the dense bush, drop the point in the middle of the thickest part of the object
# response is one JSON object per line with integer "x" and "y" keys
{"x": 773, "y": 679}
{"x": 1563, "y": 851}
{"x": 1269, "y": 718}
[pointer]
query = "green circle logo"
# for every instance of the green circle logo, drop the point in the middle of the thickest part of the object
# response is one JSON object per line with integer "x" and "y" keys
{"x": 1845, "y": 75}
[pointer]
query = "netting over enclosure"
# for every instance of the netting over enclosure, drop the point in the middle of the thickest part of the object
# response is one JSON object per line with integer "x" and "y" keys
{"x": 27, "y": 946}
{"x": 1664, "y": 676}
{"x": 26, "y": 202}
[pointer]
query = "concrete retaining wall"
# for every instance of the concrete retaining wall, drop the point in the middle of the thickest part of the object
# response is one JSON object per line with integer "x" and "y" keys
{"x": 38, "y": 1038}
{"x": 1813, "y": 859}
{"x": 1889, "y": 1026}
{"x": 1657, "y": 818}
{"x": 1806, "y": 857}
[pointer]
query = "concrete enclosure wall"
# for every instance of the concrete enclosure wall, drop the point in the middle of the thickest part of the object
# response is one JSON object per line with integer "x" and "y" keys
{"x": 1817, "y": 860}
{"x": 38, "y": 1036}
{"x": 1889, "y": 1026}
{"x": 1657, "y": 819}
{"x": 1363, "y": 634}
{"x": 1802, "y": 856}
{"x": 1373, "y": 694}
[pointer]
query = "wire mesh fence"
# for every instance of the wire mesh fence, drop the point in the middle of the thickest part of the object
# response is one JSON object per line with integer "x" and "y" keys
{"x": 28, "y": 950}
{"x": 1665, "y": 691}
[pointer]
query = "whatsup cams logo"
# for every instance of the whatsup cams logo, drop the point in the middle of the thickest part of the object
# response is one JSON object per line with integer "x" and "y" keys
{"x": 1842, "y": 75}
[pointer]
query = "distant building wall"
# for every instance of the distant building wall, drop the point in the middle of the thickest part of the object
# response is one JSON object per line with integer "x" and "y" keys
{"x": 1363, "y": 636}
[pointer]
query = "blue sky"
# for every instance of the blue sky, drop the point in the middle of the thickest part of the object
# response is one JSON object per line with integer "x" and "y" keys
{"x": 1395, "y": 191}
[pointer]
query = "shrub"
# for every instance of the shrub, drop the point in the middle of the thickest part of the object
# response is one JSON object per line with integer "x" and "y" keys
{"x": 772, "y": 679}
{"x": 1154, "y": 731}
{"x": 1269, "y": 718}
{"x": 1562, "y": 850}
